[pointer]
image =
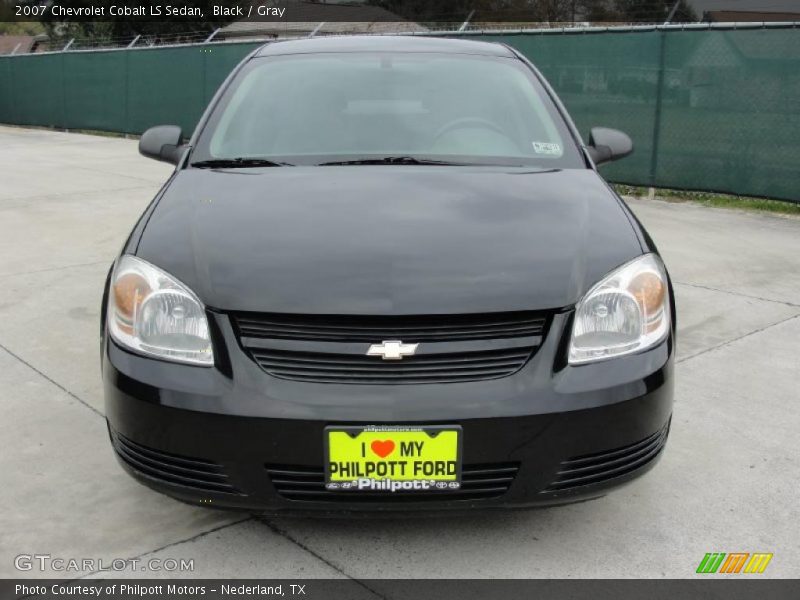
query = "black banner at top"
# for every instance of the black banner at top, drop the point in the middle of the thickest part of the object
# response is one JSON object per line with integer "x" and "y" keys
{"x": 376, "y": 11}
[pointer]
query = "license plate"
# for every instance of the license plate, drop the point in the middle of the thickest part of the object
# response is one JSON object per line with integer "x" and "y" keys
{"x": 389, "y": 458}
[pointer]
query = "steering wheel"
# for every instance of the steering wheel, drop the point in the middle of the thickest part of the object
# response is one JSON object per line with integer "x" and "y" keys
{"x": 468, "y": 122}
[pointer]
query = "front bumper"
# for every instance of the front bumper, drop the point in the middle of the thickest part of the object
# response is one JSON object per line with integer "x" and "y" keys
{"x": 235, "y": 437}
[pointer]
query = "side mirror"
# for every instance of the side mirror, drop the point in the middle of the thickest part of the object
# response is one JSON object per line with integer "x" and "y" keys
{"x": 607, "y": 144}
{"x": 162, "y": 143}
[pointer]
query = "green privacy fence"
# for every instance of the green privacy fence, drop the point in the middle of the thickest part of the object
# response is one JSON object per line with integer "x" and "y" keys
{"x": 713, "y": 109}
{"x": 125, "y": 91}
{"x": 708, "y": 109}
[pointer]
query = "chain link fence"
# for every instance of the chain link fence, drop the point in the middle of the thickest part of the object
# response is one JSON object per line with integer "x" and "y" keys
{"x": 711, "y": 108}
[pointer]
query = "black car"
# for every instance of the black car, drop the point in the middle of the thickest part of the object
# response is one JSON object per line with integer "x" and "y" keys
{"x": 386, "y": 275}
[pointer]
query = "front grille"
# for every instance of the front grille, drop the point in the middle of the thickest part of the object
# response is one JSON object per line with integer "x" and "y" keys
{"x": 358, "y": 368}
{"x": 371, "y": 329}
{"x": 333, "y": 349}
{"x": 194, "y": 473}
{"x": 308, "y": 484}
{"x": 600, "y": 467}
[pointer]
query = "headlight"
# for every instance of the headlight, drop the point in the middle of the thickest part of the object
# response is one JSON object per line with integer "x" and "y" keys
{"x": 627, "y": 311}
{"x": 153, "y": 313}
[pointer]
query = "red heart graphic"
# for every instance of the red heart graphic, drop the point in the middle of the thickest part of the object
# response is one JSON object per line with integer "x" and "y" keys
{"x": 382, "y": 448}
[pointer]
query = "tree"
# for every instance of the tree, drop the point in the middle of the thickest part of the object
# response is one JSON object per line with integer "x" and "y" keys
{"x": 598, "y": 10}
{"x": 654, "y": 11}
{"x": 455, "y": 11}
{"x": 636, "y": 11}
{"x": 10, "y": 26}
{"x": 20, "y": 28}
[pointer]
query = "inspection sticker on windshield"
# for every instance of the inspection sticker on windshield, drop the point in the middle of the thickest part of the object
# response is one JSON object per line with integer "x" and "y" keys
{"x": 392, "y": 458}
{"x": 548, "y": 148}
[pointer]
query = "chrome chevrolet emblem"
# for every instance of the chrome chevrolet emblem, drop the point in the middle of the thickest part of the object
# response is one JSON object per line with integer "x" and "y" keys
{"x": 392, "y": 350}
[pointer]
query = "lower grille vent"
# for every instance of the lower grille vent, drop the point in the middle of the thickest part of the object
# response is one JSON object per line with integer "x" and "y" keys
{"x": 600, "y": 467}
{"x": 308, "y": 484}
{"x": 170, "y": 468}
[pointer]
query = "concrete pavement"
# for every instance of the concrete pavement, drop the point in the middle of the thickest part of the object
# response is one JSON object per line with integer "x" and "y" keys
{"x": 727, "y": 482}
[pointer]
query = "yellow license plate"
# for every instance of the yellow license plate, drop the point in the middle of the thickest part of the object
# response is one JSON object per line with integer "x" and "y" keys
{"x": 393, "y": 458}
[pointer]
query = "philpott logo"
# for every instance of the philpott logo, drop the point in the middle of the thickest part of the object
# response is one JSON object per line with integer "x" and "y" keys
{"x": 736, "y": 562}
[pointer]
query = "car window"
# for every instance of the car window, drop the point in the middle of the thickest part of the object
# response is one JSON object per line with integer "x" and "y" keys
{"x": 309, "y": 109}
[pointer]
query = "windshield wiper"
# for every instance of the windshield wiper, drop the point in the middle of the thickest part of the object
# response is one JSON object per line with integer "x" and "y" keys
{"x": 390, "y": 160}
{"x": 238, "y": 163}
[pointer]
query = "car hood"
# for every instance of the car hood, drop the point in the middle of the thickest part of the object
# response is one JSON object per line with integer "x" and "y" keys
{"x": 388, "y": 240}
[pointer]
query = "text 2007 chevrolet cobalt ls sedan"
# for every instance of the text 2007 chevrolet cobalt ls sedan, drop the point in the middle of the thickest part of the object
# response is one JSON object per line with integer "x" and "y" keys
{"x": 385, "y": 274}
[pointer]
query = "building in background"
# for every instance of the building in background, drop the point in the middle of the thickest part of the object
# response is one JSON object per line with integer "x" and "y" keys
{"x": 746, "y": 16}
{"x": 22, "y": 44}
{"x": 746, "y": 11}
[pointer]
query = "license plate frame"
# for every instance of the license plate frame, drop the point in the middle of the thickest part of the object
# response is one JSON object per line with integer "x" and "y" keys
{"x": 439, "y": 470}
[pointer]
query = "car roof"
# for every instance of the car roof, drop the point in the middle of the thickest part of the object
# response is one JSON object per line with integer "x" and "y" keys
{"x": 383, "y": 43}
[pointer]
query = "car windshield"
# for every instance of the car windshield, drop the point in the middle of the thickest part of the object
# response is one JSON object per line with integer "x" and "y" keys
{"x": 386, "y": 108}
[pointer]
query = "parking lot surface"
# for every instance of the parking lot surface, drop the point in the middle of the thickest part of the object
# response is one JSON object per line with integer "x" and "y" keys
{"x": 727, "y": 482}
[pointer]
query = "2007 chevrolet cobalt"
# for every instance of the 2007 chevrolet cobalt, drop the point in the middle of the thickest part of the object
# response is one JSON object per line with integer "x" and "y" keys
{"x": 386, "y": 274}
